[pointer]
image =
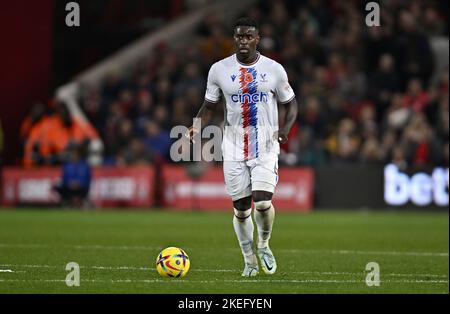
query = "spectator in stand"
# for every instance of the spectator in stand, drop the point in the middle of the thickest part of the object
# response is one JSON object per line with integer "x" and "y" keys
{"x": 206, "y": 25}
{"x": 383, "y": 83}
{"x": 432, "y": 23}
{"x": 397, "y": 115}
{"x": 311, "y": 117}
{"x": 399, "y": 158}
{"x": 367, "y": 121}
{"x": 133, "y": 154}
{"x": 379, "y": 41}
{"x": 191, "y": 78}
{"x": 388, "y": 143}
{"x": 344, "y": 145}
{"x": 310, "y": 152}
{"x": 371, "y": 152}
{"x": 163, "y": 92}
{"x": 76, "y": 178}
{"x": 421, "y": 147}
{"x": 126, "y": 100}
{"x": 37, "y": 112}
{"x": 179, "y": 114}
{"x": 269, "y": 43}
{"x": 414, "y": 58}
{"x": 218, "y": 45}
{"x": 335, "y": 107}
{"x": 311, "y": 47}
{"x": 49, "y": 138}
{"x": 111, "y": 87}
{"x": 352, "y": 84}
{"x": 278, "y": 15}
{"x": 161, "y": 116}
{"x": 158, "y": 141}
{"x": 416, "y": 98}
{"x": 142, "y": 111}
{"x": 123, "y": 136}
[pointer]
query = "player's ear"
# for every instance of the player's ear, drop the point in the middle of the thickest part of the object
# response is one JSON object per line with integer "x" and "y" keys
{"x": 257, "y": 39}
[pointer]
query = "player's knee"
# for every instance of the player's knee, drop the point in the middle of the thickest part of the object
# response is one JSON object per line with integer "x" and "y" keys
{"x": 243, "y": 204}
{"x": 242, "y": 214}
{"x": 258, "y": 196}
{"x": 263, "y": 205}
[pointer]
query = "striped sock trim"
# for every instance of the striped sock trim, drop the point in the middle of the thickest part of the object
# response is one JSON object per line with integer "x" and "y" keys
{"x": 242, "y": 218}
{"x": 242, "y": 214}
{"x": 264, "y": 209}
{"x": 263, "y": 206}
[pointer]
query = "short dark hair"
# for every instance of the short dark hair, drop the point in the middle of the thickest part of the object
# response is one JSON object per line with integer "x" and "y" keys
{"x": 245, "y": 21}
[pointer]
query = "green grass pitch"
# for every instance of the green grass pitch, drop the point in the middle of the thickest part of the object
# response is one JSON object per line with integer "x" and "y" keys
{"x": 319, "y": 252}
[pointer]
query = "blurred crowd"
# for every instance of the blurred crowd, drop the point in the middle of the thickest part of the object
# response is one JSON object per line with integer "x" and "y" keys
{"x": 50, "y": 133}
{"x": 367, "y": 95}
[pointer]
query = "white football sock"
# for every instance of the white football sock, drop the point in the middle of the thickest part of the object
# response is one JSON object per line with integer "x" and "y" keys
{"x": 244, "y": 231}
{"x": 264, "y": 221}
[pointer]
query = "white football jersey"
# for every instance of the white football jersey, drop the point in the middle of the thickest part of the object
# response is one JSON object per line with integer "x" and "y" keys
{"x": 251, "y": 92}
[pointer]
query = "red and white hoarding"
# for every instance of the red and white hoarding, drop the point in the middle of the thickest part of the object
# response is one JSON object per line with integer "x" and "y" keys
{"x": 135, "y": 187}
{"x": 294, "y": 192}
{"x": 110, "y": 186}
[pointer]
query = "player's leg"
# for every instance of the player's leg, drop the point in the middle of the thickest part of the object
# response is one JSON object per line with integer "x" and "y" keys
{"x": 237, "y": 182}
{"x": 264, "y": 177}
{"x": 243, "y": 226}
{"x": 264, "y": 218}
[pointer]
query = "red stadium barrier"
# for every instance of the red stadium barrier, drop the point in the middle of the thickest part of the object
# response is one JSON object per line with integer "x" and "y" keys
{"x": 294, "y": 191}
{"x": 128, "y": 187}
{"x": 134, "y": 187}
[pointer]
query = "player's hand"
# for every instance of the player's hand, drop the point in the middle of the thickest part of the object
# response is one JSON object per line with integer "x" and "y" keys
{"x": 192, "y": 131}
{"x": 282, "y": 136}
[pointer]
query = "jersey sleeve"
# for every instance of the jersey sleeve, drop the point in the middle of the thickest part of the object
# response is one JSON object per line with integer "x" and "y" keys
{"x": 283, "y": 90}
{"x": 212, "y": 88}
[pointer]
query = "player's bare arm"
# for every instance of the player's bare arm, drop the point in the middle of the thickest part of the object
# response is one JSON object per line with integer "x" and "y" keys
{"x": 289, "y": 120}
{"x": 204, "y": 115}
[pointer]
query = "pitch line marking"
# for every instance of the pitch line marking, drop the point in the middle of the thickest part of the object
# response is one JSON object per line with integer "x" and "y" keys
{"x": 80, "y": 247}
{"x": 125, "y": 247}
{"x": 223, "y": 270}
{"x": 227, "y": 281}
{"x": 445, "y": 254}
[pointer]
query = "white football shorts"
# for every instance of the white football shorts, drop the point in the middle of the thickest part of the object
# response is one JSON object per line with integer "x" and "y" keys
{"x": 258, "y": 174}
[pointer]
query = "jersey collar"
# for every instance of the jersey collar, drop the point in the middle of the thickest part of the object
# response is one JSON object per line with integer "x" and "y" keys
{"x": 249, "y": 64}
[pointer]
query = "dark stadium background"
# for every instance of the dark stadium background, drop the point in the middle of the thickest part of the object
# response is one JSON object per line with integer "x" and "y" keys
{"x": 331, "y": 56}
{"x": 363, "y": 178}
{"x": 47, "y": 55}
